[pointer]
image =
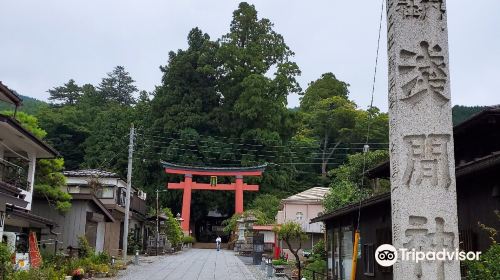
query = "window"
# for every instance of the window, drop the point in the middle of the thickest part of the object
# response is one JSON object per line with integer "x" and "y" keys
{"x": 368, "y": 260}
{"x": 105, "y": 192}
{"x": 299, "y": 216}
{"x": 73, "y": 189}
{"x": 121, "y": 197}
{"x": 346, "y": 243}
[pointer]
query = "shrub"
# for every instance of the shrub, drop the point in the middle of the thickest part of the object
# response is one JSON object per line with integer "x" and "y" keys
{"x": 103, "y": 268}
{"x": 280, "y": 262}
{"x": 100, "y": 258}
{"x": 173, "y": 229}
{"x": 5, "y": 255}
{"x": 188, "y": 239}
{"x": 488, "y": 267}
{"x": 85, "y": 249}
{"x": 316, "y": 266}
{"x": 319, "y": 251}
{"x": 42, "y": 273}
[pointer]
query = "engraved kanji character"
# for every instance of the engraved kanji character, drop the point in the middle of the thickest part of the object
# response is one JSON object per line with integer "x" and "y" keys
{"x": 427, "y": 155}
{"x": 425, "y": 72}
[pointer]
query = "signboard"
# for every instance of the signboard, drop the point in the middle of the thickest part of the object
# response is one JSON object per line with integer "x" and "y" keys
{"x": 213, "y": 181}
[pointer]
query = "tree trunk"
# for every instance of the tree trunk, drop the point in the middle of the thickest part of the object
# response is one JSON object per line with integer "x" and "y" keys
{"x": 296, "y": 255}
{"x": 326, "y": 157}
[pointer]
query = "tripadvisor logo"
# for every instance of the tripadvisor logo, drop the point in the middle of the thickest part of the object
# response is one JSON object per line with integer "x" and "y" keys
{"x": 387, "y": 255}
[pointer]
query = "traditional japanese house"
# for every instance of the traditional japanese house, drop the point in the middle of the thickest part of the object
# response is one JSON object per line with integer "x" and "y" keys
{"x": 86, "y": 218}
{"x": 19, "y": 151}
{"x": 477, "y": 156}
{"x": 110, "y": 191}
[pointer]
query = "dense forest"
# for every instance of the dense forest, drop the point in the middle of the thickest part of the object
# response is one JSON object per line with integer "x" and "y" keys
{"x": 221, "y": 102}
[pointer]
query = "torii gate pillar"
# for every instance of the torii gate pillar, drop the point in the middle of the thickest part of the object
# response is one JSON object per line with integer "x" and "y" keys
{"x": 186, "y": 202}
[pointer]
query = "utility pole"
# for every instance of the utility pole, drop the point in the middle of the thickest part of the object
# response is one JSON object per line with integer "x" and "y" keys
{"x": 129, "y": 187}
{"x": 157, "y": 221}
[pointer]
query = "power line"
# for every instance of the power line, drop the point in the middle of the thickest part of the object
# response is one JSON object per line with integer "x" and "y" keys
{"x": 369, "y": 114}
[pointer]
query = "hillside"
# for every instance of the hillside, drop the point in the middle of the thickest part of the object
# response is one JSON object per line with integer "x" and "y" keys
{"x": 461, "y": 113}
{"x": 30, "y": 105}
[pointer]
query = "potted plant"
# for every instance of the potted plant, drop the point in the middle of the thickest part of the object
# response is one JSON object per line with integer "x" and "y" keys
{"x": 77, "y": 274}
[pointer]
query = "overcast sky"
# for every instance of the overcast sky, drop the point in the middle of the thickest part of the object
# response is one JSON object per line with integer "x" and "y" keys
{"x": 45, "y": 43}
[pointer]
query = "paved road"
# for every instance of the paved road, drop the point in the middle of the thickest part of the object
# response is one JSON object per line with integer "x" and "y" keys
{"x": 193, "y": 264}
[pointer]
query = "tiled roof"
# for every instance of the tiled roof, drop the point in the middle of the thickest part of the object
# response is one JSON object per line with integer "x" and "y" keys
{"x": 311, "y": 195}
{"x": 380, "y": 198}
{"x": 91, "y": 173}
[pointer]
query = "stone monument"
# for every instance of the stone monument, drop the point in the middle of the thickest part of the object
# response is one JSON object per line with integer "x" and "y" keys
{"x": 424, "y": 208}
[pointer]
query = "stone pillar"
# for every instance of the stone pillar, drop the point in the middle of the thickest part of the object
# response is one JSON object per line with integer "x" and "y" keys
{"x": 238, "y": 195}
{"x": 424, "y": 199}
{"x": 186, "y": 203}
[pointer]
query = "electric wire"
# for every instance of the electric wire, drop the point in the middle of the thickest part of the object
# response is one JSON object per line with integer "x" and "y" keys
{"x": 369, "y": 110}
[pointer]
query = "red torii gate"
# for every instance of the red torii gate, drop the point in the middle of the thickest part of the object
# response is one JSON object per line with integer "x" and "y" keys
{"x": 188, "y": 185}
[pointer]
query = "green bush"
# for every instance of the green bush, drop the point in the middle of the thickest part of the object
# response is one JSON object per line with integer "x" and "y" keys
{"x": 48, "y": 273}
{"x": 317, "y": 266}
{"x": 5, "y": 256}
{"x": 101, "y": 258}
{"x": 280, "y": 262}
{"x": 85, "y": 249}
{"x": 488, "y": 267}
{"x": 319, "y": 251}
{"x": 188, "y": 239}
{"x": 173, "y": 229}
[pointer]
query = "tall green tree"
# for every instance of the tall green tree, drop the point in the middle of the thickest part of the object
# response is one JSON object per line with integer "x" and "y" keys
{"x": 107, "y": 144}
{"x": 247, "y": 53}
{"x": 331, "y": 121}
{"x": 68, "y": 94}
{"x": 67, "y": 129}
{"x": 325, "y": 87}
{"x": 334, "y": 121}
{"x": 187, "y": 97}
{"x": 349, "y": 183}
{"x": 118, "y": 86}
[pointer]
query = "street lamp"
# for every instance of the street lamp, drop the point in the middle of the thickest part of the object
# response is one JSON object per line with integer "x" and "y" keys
{"x": 158, "y": 218}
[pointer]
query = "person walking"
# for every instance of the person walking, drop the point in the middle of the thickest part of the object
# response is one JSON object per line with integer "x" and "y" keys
{"x": 218, "y": 240}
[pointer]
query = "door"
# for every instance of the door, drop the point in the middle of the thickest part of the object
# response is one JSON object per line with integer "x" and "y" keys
{"x": 91, "y": 233}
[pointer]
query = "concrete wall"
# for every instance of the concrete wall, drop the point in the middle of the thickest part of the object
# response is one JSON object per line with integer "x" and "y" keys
{"x": 309, "y": 211}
